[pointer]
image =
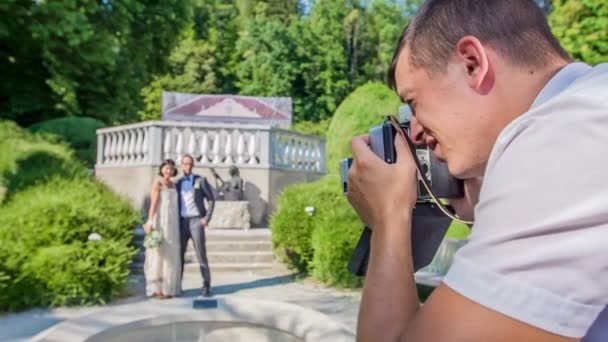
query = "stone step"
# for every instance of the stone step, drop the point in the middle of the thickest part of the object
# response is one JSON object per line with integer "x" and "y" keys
{"x": 227, "y": 246}
{"x": 233, "y": 235}
{"x": 216, "y": 257}
{"x": 231, "y": 267}
{"x": 137, "y": 267}
{"x": 233, "y": 257}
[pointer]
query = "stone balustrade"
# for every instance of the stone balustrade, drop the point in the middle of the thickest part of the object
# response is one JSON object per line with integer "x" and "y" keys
{"x": 148, "y": 143}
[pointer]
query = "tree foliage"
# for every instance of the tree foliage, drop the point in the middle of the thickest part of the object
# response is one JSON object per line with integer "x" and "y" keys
{"x": 112, "y": 60}
{"x": 274, "y": 48}
{"x": 83, "y": 58}
{"x": 582, "y": 28}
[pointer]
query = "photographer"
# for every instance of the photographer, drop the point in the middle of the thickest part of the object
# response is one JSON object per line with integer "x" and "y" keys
{"x": 494, "y": 95}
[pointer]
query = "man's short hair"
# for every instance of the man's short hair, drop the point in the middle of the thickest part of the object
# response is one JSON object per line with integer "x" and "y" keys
{"x": 517, "y": 29}
{"x": 187, "y": 155}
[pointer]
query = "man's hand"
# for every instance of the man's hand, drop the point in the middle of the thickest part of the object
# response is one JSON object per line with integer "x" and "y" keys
{"x": 378, "y": 190}
{"x": 204, "y": 222}
{"x": 147, "y": 228}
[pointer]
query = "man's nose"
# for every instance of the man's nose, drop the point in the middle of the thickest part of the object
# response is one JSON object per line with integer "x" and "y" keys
{"x": 416, "y": 132}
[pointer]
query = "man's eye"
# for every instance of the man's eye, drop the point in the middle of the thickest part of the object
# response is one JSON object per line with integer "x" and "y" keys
{"x": 412, "y": 106}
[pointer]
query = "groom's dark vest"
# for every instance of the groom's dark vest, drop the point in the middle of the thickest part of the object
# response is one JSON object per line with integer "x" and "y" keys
{"x": 200, "y": 193}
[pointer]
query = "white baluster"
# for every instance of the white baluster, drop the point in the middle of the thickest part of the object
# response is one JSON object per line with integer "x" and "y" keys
{"x": 138, "y": 147}
{"x": 204, "y": 147}
{"x": 301, "y": 161}
{"x": 306, "y": 155}
{"x": 144, "y": 146}
{"x": 114, "y": 149}
{"x": 125, "y": 147}
{"x": 119, "y": 146}
{"x": 179, "y": 147}
{"x": 216, "y": 149}
{"x": 318, "y": 157}
{"x": 167, "y": 146}
{"x": 294, "y": 153}
{"x": 131, "y": 146}
{"x": 107, "y": 142}
{"x": 192, "y": 145}
{"x": 240, "y": 148}
{"x": 228, "y": 149}
{"x": 287, "y": 152}
{"x": 252, "y": 146}
{"x": 278, "y": 149}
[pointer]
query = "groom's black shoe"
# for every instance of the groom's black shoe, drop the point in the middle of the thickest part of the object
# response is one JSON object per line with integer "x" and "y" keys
{"x": 206, "y": 291}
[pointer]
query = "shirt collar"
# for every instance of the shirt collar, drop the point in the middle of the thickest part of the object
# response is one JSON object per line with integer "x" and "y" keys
{"x": 566, "y": 76}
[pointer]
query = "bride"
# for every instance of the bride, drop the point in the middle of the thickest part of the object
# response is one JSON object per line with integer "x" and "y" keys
{"x": 162, "y": 266}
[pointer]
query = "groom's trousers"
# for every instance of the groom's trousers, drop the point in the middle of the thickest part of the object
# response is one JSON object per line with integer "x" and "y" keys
{"x": 192, "y": 228}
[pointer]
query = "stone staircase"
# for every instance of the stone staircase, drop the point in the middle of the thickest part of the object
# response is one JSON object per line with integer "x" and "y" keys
{"x": 227, "y": 251}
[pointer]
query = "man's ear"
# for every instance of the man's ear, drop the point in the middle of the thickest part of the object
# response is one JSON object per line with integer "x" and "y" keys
{"x": 474, "y": 59}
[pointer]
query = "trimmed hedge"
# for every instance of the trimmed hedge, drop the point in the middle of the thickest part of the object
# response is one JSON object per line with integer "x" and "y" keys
{"x": 79, "y": 273}
{"x": 28, "y": 159}
{"x": 361, "y": 110}
{"x": 334, "y": 239}
{"x": 77, "y": 132}
{"x": 55, "y": 219}
{"x": 52, "y": 207}
{"x": 320, "y": 244}
{"x": 292, "y": 227}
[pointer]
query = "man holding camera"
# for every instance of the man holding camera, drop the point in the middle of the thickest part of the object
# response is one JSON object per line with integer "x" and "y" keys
{"x": 494, "y": 95}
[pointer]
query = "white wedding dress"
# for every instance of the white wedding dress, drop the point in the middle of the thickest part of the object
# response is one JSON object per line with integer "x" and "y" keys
{"x": 162, "y": 266}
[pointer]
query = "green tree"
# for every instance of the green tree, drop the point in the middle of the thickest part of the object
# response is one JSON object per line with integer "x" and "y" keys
{"x": 384, "y": 21}
{"x": 582, "y": 28}
{"x": 267, "y": 67}
{"x": 322, "y": 54}
{"x": 192, "y": 68}
{"x": 216, "y": 24}
{"x": 65, "y": 58}
{"x": 283, "y": 10}
{"x": 205, "y": 59}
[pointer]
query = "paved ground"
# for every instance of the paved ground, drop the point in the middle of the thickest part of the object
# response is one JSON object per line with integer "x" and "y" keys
{"x": 276, "y": 284}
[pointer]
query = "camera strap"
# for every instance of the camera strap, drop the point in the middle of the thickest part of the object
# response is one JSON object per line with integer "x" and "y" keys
{"x": 401, "y": 131}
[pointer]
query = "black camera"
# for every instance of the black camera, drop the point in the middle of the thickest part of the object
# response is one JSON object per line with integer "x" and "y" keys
{"x": 382, "y": 138}
{"x": 429, "y": 224}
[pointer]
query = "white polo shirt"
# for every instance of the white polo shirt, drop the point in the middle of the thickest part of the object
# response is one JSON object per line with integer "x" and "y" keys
{"x": 538, "y": 251}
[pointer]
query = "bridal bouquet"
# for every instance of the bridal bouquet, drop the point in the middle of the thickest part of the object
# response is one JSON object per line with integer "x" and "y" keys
{"x": 153, "y": 239}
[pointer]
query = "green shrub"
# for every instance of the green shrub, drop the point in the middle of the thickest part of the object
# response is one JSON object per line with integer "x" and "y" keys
{"x": 79, "y": 273}
{"x": 64, "y": 211}
{"x": 334, "y": 239}
{"x": 27, "y": 159}
{"x": 292, "y": 227}
{"x": 458, "y": 231}
{"x": 10, "y": 130}
{"x": 362, "y": 109}
{"x": 320, "y": 244}
{"x": 77, "y": 132}
{"x": 45, "y": 249}
{"x": 310, "y": 127}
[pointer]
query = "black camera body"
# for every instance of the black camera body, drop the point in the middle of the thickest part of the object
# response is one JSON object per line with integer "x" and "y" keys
{"x": 429, "y": 224}
{"x": 382, "y": 139}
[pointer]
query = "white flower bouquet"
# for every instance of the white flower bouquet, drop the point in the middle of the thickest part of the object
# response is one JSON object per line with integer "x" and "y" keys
{"x": 153, "y": 239}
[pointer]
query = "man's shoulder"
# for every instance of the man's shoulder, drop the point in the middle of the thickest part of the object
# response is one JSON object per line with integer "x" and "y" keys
{"x": 591, "y": 84}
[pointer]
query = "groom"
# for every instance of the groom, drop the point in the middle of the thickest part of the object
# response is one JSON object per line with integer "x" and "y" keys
{"x": 194, "y": 218}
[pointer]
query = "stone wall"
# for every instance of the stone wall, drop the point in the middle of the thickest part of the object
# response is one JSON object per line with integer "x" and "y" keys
{"x": 261, "y": 185}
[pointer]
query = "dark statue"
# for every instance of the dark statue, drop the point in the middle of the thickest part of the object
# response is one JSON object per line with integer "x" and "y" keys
{"x": 231, "y": 190}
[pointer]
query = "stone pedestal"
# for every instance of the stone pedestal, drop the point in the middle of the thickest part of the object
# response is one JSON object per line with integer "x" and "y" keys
{"x": 231, "y": 215}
